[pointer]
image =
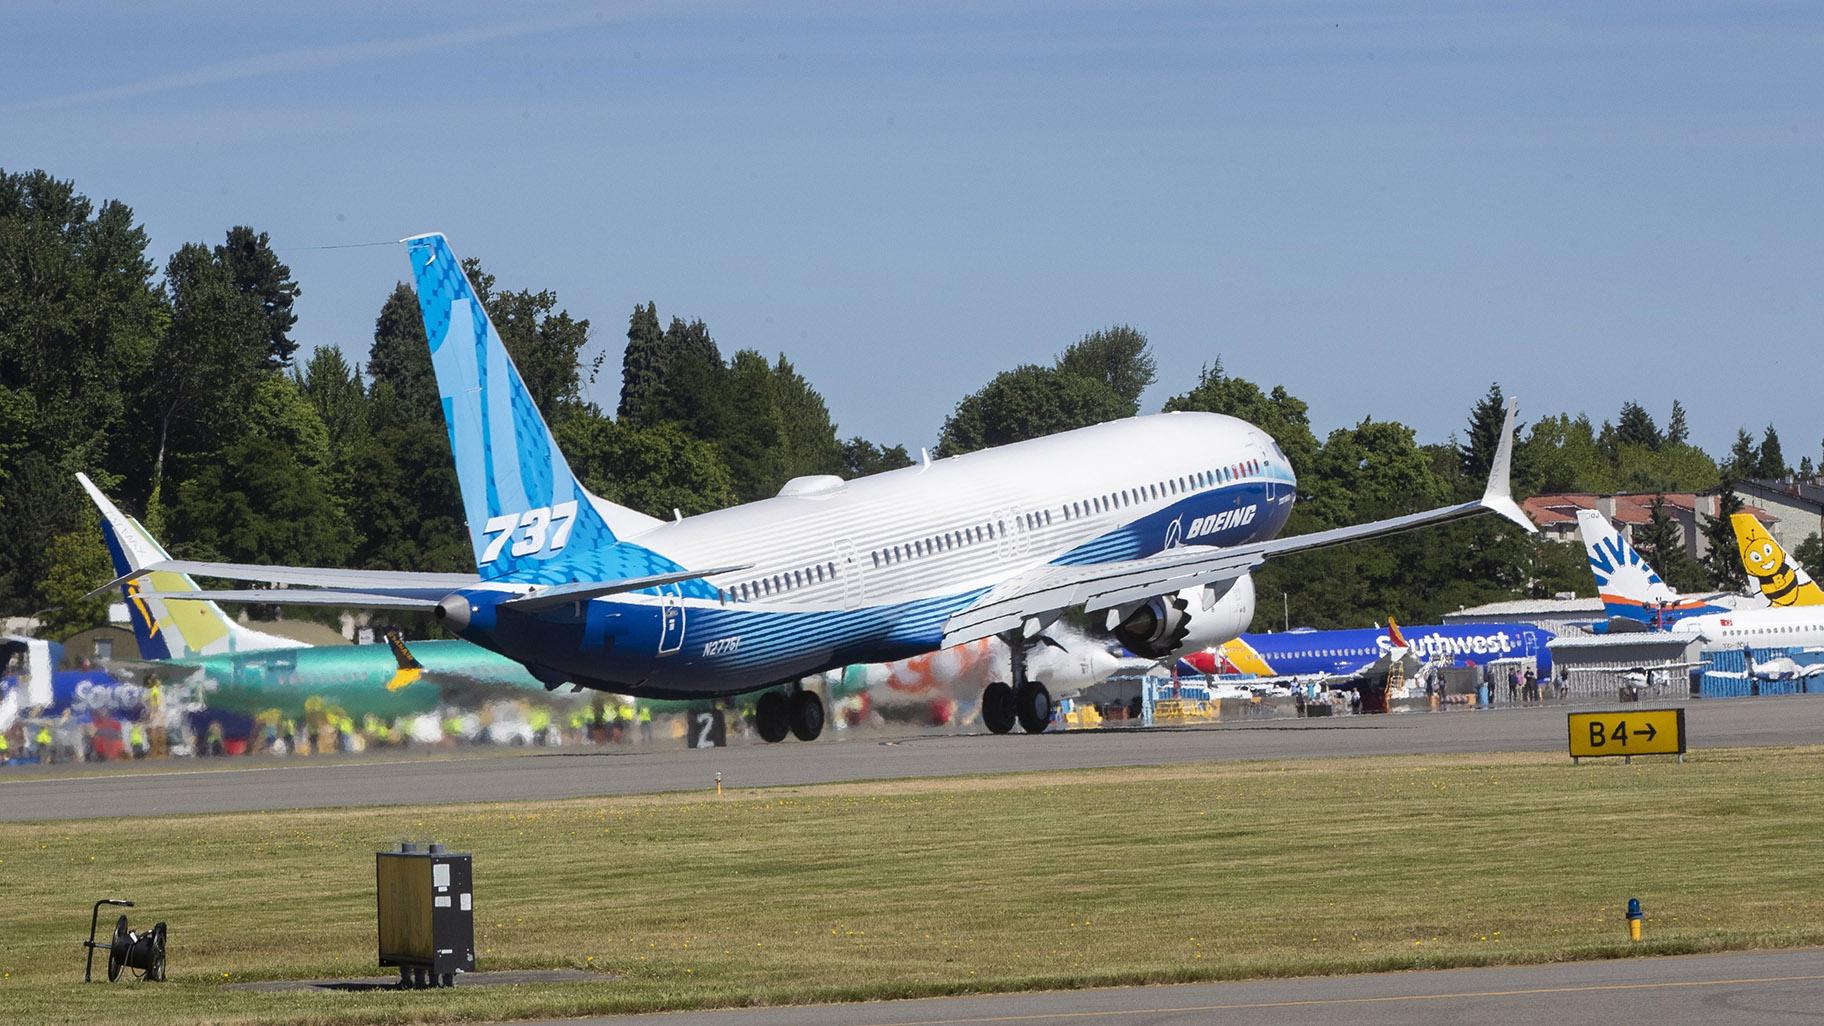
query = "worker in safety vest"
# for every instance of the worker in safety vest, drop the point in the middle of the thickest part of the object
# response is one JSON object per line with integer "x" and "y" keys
{"x": 645, "y": 723}
{"x": 136, "y": 741}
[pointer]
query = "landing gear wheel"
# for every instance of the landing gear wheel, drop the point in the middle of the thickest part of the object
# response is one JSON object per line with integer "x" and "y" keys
{"x": 997, "y": 708}
{"x": 806, "y": 715}
{"x": 1033, "y": 705}
{"x": 771, "y": 718}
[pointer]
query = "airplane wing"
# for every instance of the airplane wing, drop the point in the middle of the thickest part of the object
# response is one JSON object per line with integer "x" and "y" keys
{"x": 1102, "y": 586}
{"x": 382, "y": 589}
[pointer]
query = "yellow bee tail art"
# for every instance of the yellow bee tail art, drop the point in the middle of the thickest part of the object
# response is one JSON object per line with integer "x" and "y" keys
{"x": 409, "y": 668}
{"x": 1783, "y": 581}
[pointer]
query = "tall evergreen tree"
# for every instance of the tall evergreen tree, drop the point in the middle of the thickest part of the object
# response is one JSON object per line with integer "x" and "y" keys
{"x": 257, "y": 272}
{"x": 693, "y": 379}
{"x": 1744, "y": 460}
{"x": 1477, "y": 452}
{"x": 1636, "y": 427}
{"x": 401, "y": 356}
{"x": 1678, "y": 432}
{"x": 1028, "y": 402}
{"x": 1661, "y": 541}
{"x": 643, "y": 399}
{"x": 754, "y": 446}
{"x": 1770, "y": 462}
{"x": 1722, "y": 560}
{"x": 809, "y": 436}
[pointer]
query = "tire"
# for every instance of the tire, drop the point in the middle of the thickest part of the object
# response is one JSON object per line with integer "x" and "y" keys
{"x": 1033, "y": 707}
{"x": 806, "y": 715}
{"x": 997, "y": 708}
{"x": 772, "y": 718}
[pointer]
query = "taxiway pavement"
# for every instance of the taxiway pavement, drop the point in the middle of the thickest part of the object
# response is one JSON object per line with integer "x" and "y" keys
{"x": 1750, "y": 989}
{"x": 493, "y": 775}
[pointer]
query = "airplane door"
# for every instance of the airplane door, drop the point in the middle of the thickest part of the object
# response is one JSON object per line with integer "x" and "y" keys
{"x": 849, "y": 571}
{"x": 1013, "y": 542}
{"x": 671, "y": 621}
{"x": 1532, "y": 643}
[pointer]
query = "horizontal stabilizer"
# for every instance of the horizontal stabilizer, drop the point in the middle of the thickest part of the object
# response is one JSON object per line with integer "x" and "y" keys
{"x": 564, "y": 594}
{"x": 390, "y": 582}
{"x": 303, "y": 597}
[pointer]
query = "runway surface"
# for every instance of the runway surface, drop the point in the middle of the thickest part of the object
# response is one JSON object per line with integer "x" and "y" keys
{"x": 492, "y": 775}
{"x": 1711, "y": 990}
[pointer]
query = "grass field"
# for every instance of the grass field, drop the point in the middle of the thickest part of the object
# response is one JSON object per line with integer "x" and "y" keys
{"x": 905, "y": 888}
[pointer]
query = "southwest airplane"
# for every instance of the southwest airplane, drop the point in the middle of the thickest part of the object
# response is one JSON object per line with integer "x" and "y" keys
{"x": 1150, "y": 525}
{"x": 1348, "y": 652}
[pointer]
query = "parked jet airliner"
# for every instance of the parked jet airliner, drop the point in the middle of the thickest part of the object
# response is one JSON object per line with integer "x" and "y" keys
{"x": 1151, "y": 525}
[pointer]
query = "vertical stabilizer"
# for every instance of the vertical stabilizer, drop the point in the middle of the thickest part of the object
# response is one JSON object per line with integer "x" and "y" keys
{"x": 529, "y": 517}
{"x": 168, "y": 628}
{"x": 1780, "y": 577}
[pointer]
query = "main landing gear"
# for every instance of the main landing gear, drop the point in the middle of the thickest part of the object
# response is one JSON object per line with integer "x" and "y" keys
{"x": 1025, "y": 702}
{"x": 797, "y": 712}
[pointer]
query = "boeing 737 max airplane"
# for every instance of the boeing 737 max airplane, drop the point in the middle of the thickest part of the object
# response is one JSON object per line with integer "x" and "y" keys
{"x": 1151, "y": 525}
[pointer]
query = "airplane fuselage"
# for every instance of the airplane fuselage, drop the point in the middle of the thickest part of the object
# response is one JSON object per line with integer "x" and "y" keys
{"x": 869, "y": 570}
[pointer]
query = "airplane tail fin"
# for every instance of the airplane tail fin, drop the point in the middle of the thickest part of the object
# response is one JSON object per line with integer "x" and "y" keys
{"x": 1394, "y": 635}
{"x": 1781, "y": 578}
{"x": 529, "y": 517}
{"x": 410, "y": 669}
{"x": 1626, "y": 581}
{"x": 167, "y": 628}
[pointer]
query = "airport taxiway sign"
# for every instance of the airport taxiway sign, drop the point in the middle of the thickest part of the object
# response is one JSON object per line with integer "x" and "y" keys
{"x": 1596, "y": 735}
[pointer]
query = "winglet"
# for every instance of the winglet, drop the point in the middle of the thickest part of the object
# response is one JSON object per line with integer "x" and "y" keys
{"x": 409, "y": 667}
{"x": 1498, "y": 497}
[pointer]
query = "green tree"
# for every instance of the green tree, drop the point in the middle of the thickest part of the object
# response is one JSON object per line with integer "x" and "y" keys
{"x": 546, "y": 345}
{"x": 1722, "y": 561}
{"x": 1744, "y": 459}
{"x": 1477, "y": 453}
{"x": 1636, "y": 427}
{"x": 1028, "y": 402}
{"x": 692, "y": 381}
{"x": 1770, "y": 462}
{"x": 1278, "y": 413}
{"x": 260, "y": 503}
{"x": 1663, "y": 544}
{"x": 78, "y": 564}
{"x": 1810, "y": 553}
{"x": 652, "y": 469}
{"x": 1678, "y": 432}
{"x": 206, "y": 365}
{"x": 256, "y": 271}
{"x": 808, "y": 436}
{"x": 334, "y": 389}
{"x": 753, "y": 446}
{"x": 401, "y": 356}
{"x": 861, "y": 457}
{"x": 643, "y": 400}
{"x": 1118, "y": 357}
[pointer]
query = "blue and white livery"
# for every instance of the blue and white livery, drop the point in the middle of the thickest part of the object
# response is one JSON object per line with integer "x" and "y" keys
{"x": 1149, "y": 525}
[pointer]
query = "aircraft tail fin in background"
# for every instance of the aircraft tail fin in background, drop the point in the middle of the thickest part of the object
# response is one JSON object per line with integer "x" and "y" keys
{"x": 1780, "y": 577}
{"x": 1629, "y": 587}
{"x": 1394, "y": 637}
{"x": 168, "y": 628}
{"x": 529, "y": 517}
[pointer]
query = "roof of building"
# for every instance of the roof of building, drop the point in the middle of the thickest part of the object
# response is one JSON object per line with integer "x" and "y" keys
{"x": 1808, "y": 492}
{"x": 1632, "y": 509}
{"x": 1627, "y": 640}
{"x": 1534, "y": 607}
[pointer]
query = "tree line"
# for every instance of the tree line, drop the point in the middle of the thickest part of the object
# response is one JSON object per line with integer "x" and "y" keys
{"x": 183, "y": 392}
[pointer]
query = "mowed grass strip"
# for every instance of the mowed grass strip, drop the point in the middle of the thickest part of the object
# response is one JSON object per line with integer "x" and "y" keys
{"x": 909, "y": 888}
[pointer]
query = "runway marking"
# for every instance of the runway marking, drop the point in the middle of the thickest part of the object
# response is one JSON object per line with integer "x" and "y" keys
{"x": 1386, "y": 999}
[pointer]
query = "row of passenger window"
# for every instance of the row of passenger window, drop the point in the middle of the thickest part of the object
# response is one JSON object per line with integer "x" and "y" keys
{"x": 780, "y": 583}
{"x": 943, "y": 541}
{"x": 946, "y": 541}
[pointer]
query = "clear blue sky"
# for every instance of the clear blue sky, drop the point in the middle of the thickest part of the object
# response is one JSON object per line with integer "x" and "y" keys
{"x": 1383, "y": 206}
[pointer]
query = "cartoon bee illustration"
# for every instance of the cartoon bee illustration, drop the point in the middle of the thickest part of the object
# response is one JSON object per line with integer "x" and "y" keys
{"x": 1784, "y": 582}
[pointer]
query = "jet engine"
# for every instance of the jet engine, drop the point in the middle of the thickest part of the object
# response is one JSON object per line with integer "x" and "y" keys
{"x": 1185, "y": 621}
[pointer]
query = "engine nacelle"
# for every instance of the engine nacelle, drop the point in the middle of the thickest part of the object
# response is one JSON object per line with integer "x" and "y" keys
{"x": 1186, "y": 621}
